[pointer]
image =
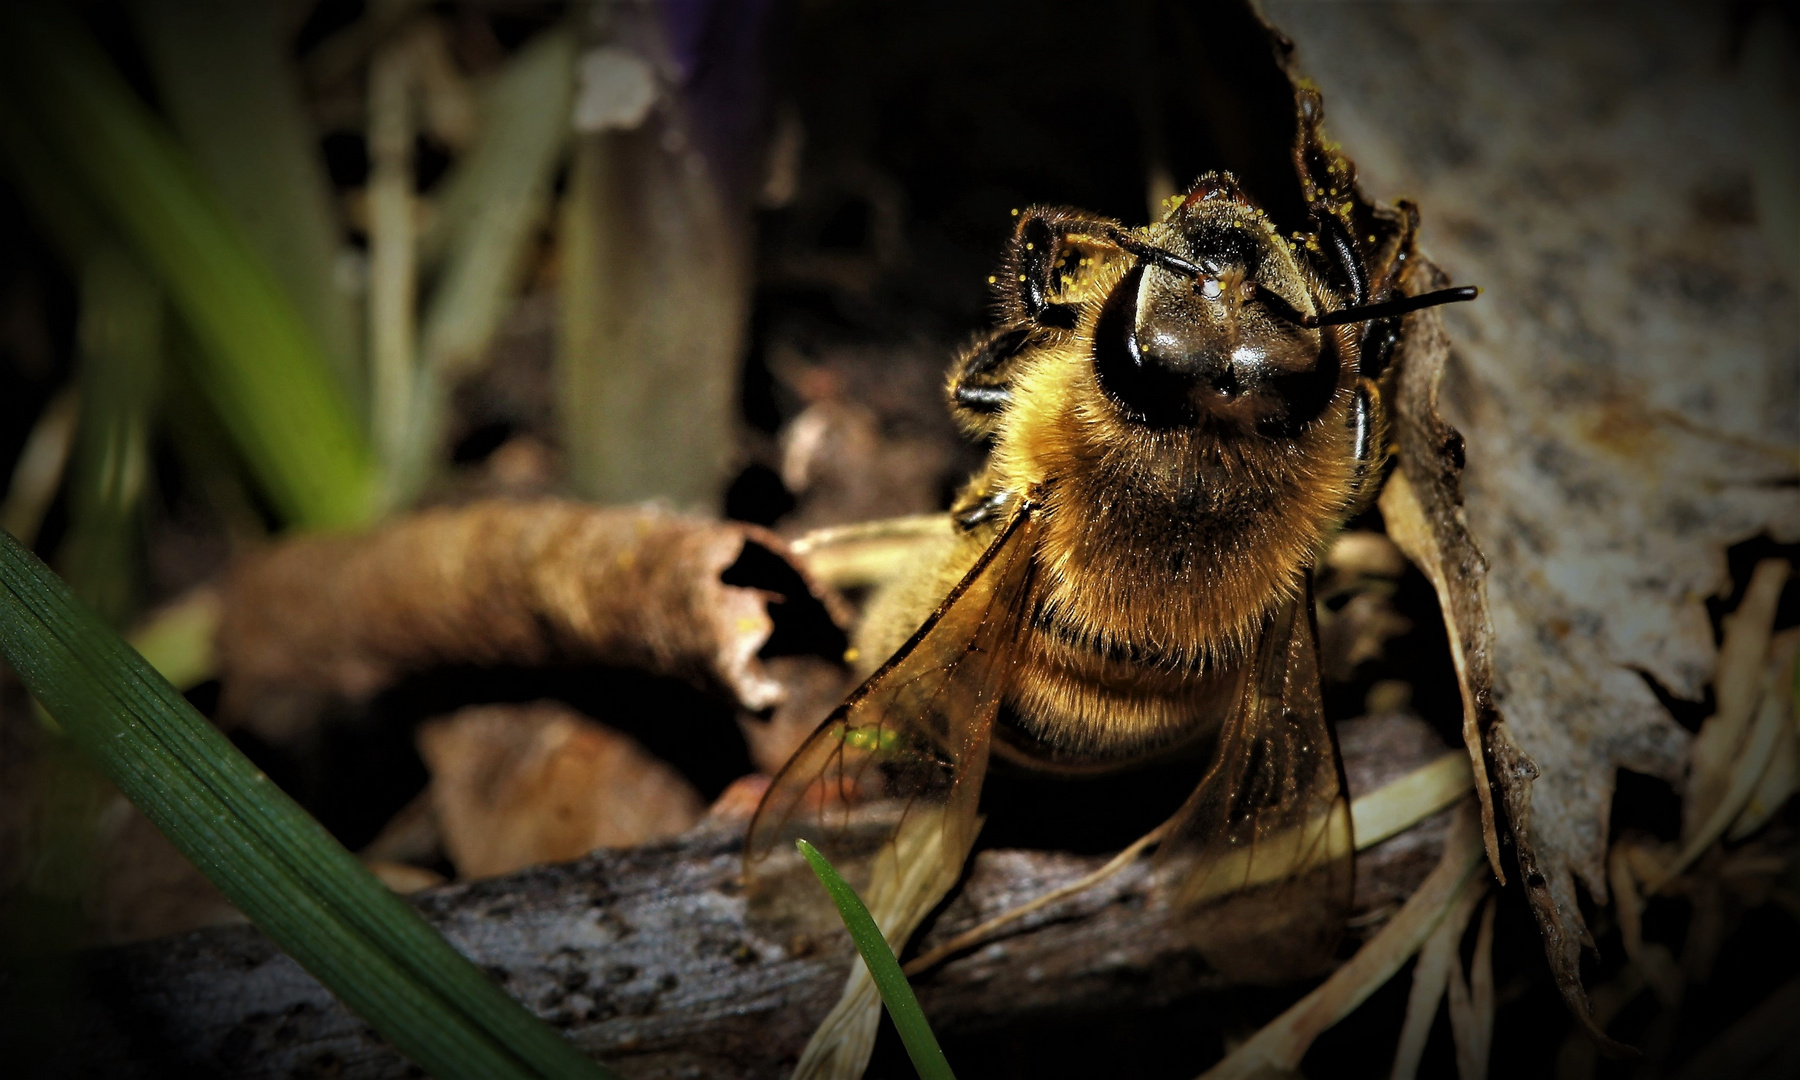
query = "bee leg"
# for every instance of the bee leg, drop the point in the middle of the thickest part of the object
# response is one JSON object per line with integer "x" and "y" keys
{"x": 1336, "y": 240}
{"x": 1031, "y": 289}
{"x": 1368, "y": 439}
{"x": 978, "y": 382}
{"x": 1033, "y": 258}
{"x": 989, "y": 508}
{"x": 1039, "y": 250}
{"x": 1378, "y": 342}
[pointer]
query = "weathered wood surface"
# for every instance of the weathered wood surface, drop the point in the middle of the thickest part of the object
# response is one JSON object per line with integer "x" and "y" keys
{"x": 644, "y": 958}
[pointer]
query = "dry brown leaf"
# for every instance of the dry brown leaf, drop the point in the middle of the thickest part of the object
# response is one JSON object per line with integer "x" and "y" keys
{"x": 513, "y": 786}
{"x": 811, "y": 688}
{"x": 503, "y": 583}
{"x": 403, "y": 878}
{"x": 841, "y": 464}
{"x": 1625, "y": 385}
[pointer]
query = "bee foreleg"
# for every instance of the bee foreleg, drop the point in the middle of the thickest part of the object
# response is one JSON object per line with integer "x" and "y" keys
{"x": 983, "y": 399}
{"x": 979, "y": 379}
{"x": 1033, "y": 280}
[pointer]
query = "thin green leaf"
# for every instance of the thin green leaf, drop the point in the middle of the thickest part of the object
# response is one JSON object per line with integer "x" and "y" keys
{"x": 273, "y": 861}
{"x": 225, "y": 79}
{"x": 486, "y": 218}
{"x": 494, "y": 200}
{"x": 121, "y": 359}
{"x": 265, "y": 373}
{"x": 884, "y": 969}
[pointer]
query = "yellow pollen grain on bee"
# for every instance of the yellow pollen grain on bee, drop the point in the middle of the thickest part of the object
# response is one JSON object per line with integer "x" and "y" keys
{"x": 1030, "y": 247}
{"x": 1015, "y": 212}
{"x": 852, "y": 655}
{"x": 992, "y": 279}
{"x": 1021, "y": 277}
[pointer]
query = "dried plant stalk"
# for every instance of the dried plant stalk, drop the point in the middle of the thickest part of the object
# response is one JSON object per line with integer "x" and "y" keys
{"x": 1430, "y": 975}
{"x": 1278, "y": 1047}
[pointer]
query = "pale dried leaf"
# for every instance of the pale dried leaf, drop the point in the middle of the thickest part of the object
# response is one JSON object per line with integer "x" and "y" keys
{"x": 1770, "y": 726}
{"x": 1781, "y": 776}
{"x": 1472, "y": 1003}
{"x": 403, "y": 878}
{"x": 513, "y": 786}
{"x": 1280, "y": 1045}
{"x": 1625, "y": 384}
{"x": 1737, "y": 688}
{"x": 871, "y": 552}
{"x": 1430, "y": 975}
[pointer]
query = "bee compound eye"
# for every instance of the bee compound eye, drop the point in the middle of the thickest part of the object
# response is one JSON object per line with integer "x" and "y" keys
{"x": 1141, "y": 387}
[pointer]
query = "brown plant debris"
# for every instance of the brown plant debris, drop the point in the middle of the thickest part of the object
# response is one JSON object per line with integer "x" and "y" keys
{"x": 521, "y": 583}
{"x": 513, "y": 786}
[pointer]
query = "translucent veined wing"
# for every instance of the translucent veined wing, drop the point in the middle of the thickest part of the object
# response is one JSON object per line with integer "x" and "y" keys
{"x": 1260, "y": 858}
{"x": 887, "y": 788}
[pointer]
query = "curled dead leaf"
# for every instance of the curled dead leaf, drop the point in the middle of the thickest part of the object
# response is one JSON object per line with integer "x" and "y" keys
{"x": 520, "y": 583}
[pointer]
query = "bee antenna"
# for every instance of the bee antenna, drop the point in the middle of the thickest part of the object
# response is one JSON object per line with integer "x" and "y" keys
{"x": 1389, "y": 308}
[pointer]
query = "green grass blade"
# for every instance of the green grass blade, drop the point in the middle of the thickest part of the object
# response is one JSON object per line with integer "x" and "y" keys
{"x": 271, "y": 859}
{"x": 227, "y": 83}
{"x": 121, "y": 358}
{"x": 487, "y": 218}
{"x": 264, "y": 371}
{"x": 896, "y": 992}
{"x": 495, "y": 198}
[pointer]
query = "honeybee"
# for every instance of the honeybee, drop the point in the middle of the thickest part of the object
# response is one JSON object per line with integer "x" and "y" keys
{"x": 1181, "y": 416}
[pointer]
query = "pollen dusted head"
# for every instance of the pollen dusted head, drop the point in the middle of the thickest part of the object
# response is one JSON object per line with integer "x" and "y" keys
{"x": 1220, "y": 347}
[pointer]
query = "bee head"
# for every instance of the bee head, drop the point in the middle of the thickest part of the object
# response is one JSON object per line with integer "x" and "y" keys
{"x": 1222, "y": 339}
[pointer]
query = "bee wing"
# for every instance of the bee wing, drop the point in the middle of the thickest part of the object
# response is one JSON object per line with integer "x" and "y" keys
{"x": 887, "y": 788}
{"x": 1261, "y": 856}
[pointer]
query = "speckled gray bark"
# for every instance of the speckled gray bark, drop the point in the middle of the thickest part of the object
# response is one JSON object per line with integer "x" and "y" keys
{"x": 644, "y": 959}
